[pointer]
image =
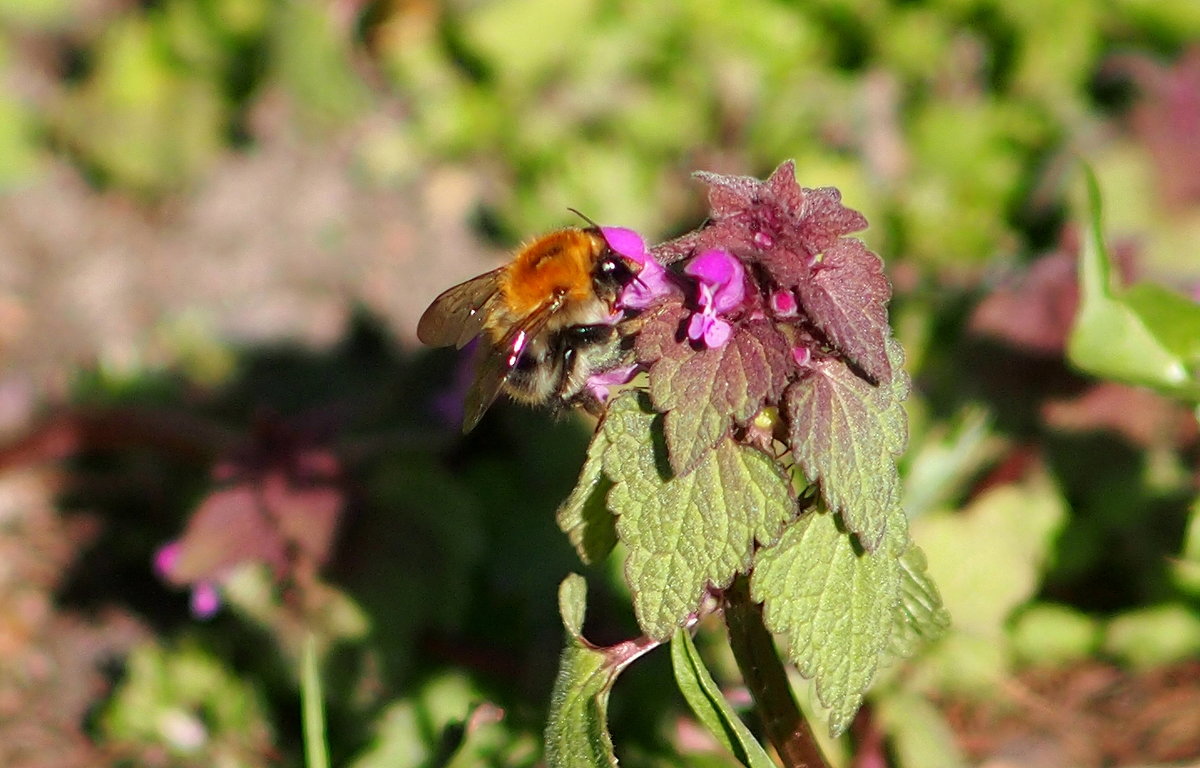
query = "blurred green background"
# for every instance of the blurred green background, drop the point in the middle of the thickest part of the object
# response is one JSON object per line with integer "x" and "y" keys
{"x": 220, "y": 219}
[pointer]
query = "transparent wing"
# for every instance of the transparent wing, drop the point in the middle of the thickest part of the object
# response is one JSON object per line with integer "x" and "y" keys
{"x": 495, "y": 362}
{"x": 457, "y": 316}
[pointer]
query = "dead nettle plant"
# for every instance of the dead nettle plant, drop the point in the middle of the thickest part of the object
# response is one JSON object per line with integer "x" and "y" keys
{"x": 751, "y": 471}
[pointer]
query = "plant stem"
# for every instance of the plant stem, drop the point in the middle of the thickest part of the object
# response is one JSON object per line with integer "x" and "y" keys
{"x": 754, "y": 650}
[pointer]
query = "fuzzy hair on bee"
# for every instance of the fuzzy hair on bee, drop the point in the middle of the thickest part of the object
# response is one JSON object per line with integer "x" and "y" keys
{"x": 547, "y": 321}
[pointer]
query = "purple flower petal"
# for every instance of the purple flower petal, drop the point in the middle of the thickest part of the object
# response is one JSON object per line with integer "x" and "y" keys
{"x": 724, "y": 274}
{"x": 598, "y": 384}
{"x": 205, "y": 600}
{"x": 627, "y": 243}
{"x": 709, "y": 329}
{"x": 698, "y": 325}
{"x": 166, "y": 558}
{"x": 647, "y": 287}
{"x": 652, "y": 281}
{"x": 717, "y": 334}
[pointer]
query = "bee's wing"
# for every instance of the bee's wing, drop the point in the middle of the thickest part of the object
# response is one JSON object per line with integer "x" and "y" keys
{"x": 496, "y": 362}
{"x": 457, "y": 316}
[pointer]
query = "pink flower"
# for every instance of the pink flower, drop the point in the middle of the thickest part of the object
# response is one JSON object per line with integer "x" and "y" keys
{"x": 783, "y": 304}
{"x": 599, "y": 384}
{"x": 652, "y": 281}
{"x": 206, "y": 599}
{"x": 722, "y": 287}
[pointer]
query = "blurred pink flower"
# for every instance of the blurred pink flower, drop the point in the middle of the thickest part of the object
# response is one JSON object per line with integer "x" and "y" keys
{"x": 206, "y": 599}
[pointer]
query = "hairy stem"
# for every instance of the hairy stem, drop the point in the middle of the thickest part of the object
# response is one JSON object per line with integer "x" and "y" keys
{"x": 761, "y": 668}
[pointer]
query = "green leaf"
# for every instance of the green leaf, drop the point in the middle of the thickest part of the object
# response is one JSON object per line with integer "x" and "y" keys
{"x": 1185, "y": 569}
{"x": 835, "y": 604}
{"x": 703, "y": 392}
{"x": 440, "y": 722}
{"x": 920, "y": 617}
{"x": 313, "y": 62}
{"x": 1145, "y": 335}
{"x": 193, "y": 690}
{"x": 846, "y": 434}
{"x": 1056, "y": 635}
{"x": 949, "y": 457}
{"x": 988, "y": 558}
{"x": 316, "y": 753}
{"x": 577, "y": 730}
{"x": 686, "y": 533}
{"x": 584, "y": 516}
{"x": 1155, "y": 635}
{"x": 572, "y": 603}
{"x": 711, "y": 708}
{"x": 919, "y": 736}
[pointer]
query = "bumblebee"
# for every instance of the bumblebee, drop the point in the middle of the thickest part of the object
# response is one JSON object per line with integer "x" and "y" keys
{"x": 548, "y": 321}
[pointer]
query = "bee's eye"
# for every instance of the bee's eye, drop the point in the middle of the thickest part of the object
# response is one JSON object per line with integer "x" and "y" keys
{"x": 613, "y": 270}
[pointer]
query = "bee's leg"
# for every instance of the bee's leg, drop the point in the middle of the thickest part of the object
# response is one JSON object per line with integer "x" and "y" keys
{"x": 631, "y": 326}
{"x": 588, "y": 350}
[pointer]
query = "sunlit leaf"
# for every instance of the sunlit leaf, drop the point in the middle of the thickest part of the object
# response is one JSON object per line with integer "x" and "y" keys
{"x": 710, "y": 706}
{"x": 704, "y": 392}
{"x": 920, "y": 616}
{"x": 1145, "y": 335}
{"x": 847, "y": 297}
{"x": 686, "y": 533}
{"x": 846, "y": 434}
{"x": 834, "y": 603}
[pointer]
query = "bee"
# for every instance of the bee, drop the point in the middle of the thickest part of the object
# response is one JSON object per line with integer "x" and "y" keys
{"x": 547, "y": 321}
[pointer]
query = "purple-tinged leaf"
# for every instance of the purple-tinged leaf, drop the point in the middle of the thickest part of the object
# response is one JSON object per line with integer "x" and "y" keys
{"x": 230, "y": 527}
{"x": 705, "y": 391}
{"x": 822, "y": 220}
{"x": 846, "y": 434}
{"x": 846, "y": 298}
{"x": 776, "y": 223}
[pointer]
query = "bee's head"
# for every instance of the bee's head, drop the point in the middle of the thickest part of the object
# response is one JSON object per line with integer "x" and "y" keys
{"x": 613, "y": 271}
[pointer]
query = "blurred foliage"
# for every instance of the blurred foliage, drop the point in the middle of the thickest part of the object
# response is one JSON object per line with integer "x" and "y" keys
{"x": 1057, "y": 513}
{"x": 189, "y": 704}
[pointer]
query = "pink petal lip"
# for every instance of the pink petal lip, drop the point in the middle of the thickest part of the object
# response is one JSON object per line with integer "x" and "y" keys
{"x": 724, "y": 273}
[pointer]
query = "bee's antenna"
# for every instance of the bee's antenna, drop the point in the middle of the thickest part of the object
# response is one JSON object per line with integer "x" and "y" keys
{"x": 585, "y": 218}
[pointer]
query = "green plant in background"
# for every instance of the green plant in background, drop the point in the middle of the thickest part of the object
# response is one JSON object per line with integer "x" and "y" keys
{"x": 1149, "y": 336}
{"x": 186, "y": 701}
{"x": 947, "y": 118}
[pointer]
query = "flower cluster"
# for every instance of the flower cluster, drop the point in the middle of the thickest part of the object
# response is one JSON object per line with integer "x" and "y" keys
{"x": 768, "y": 308}
{"x": 719, "y": 286}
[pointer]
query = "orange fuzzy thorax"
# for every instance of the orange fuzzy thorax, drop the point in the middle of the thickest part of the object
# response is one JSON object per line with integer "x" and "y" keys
{"x": 557, "y": 264}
